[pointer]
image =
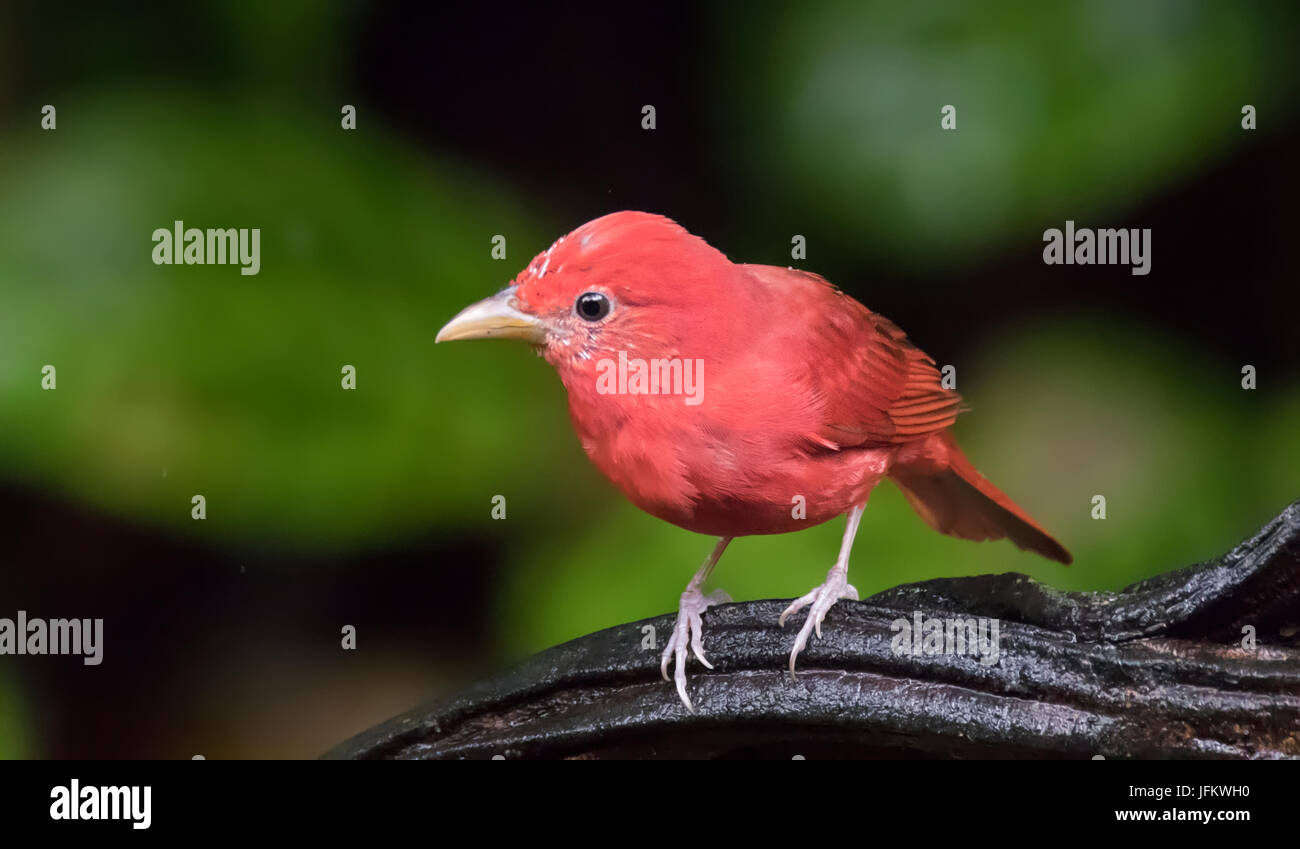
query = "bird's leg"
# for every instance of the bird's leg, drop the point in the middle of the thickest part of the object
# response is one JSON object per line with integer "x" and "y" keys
{"x": 823, "y": 597}
{"x": 689, "y": 629}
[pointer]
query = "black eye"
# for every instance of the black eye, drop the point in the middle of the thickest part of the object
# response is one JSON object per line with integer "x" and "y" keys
{"x": 592, "y": 306}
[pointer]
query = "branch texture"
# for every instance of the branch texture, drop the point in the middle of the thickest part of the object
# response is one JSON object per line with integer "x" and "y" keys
{"x": 1158, "y": 670}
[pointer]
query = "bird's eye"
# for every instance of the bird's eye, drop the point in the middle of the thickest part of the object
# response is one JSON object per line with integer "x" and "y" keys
{"x": 592, "y": 306}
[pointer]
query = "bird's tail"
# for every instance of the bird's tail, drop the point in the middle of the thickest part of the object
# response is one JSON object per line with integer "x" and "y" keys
{"x": 944, "y": 488}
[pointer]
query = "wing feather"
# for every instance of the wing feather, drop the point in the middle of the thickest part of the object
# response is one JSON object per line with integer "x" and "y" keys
{"x": 876, "y": 387}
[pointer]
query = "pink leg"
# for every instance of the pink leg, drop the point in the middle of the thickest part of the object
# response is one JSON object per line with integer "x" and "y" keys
{"x": 689, "y": 629}
{"x": 823, "y": 597}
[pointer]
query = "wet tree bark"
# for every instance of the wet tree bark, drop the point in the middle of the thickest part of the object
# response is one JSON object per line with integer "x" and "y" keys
{"x": 1203, "y": 662}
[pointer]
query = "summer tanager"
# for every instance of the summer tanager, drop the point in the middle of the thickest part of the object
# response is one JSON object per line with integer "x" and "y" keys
{"x": 735, "y": 399}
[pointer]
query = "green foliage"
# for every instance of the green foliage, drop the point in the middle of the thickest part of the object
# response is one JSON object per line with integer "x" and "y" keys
{"x": 176, "y": 380}
{"x": 1063, "y": 110}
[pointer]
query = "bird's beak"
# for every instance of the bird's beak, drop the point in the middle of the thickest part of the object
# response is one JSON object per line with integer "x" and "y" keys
{"x": 494, "y": 318}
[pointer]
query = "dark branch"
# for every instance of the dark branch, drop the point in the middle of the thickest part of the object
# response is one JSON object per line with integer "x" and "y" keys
{"x": 1158, "y": 670}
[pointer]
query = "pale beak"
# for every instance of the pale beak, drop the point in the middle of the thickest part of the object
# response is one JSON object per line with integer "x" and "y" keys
{"x": 494, "y": 318}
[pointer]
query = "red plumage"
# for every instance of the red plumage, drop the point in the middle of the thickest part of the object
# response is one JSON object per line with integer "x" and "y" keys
{"x": 803, "y": 392}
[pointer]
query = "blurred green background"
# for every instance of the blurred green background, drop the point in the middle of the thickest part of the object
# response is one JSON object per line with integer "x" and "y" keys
{"x": 373, "y": 507}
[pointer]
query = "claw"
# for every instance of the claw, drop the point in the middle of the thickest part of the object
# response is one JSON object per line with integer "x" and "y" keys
{"x": 795, "y": 606}
{"x": 688, "y": 631}
{"x": 821, "y": 598}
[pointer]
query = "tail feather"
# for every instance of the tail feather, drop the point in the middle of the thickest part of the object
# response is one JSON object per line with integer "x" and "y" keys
{"x": 953, "y": 498}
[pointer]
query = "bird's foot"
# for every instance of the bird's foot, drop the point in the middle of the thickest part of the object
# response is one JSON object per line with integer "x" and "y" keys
{"x": 821, "y": 598}
{"x": 689, "y": 630}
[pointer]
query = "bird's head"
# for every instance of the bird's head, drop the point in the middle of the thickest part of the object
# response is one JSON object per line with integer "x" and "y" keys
{"x": 628, "y": 281}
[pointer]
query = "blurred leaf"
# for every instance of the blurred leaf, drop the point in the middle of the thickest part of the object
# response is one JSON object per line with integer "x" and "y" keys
{"x": 177, "y": 380}
{"x": 1063, "y": 111}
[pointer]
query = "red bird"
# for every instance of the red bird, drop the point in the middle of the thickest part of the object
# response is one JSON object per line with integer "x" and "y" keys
{"x": 736, "y": 399}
